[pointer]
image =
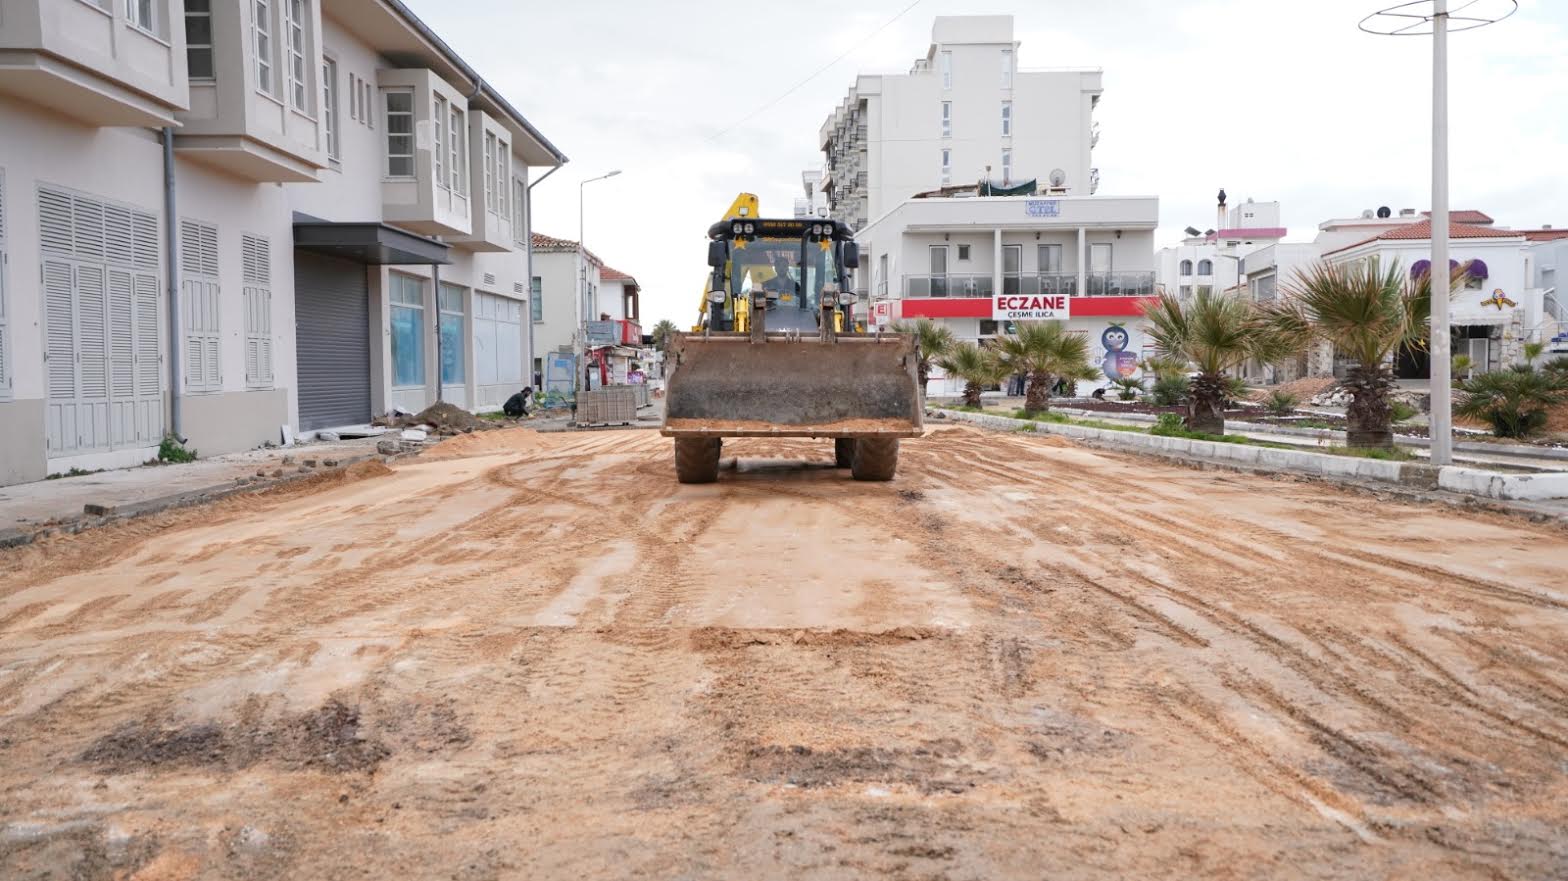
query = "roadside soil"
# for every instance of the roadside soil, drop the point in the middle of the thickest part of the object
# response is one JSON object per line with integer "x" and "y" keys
{"x": 530, "y": 655}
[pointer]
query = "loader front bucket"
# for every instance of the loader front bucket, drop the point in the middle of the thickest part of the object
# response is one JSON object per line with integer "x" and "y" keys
{"x": 725, "y": 385}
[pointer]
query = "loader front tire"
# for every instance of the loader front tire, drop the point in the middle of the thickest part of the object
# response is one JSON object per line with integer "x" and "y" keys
{"x": 697, "y": 459}
{"x": 874, "y": 458}
{"x": 843, "y": 452}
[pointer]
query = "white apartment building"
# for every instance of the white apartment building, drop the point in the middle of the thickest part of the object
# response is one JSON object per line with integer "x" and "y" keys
{"x": 964, "y": 112}
{"x": 1212, "y": 258}
{"x": 1549, "y": 259}
{"x": 228, "y": 221}
{"x": 936, "y": 243}
{"x": 1499, "y": 308}
{"x": 609, "y": 295}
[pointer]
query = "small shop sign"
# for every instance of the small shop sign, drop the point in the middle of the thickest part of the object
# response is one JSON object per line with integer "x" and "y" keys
{"x": 1031, "y": 307}
{"x": 1043, "y": 207}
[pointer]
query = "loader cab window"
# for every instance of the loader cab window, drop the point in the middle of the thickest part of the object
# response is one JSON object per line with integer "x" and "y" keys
{"x": 769, "y": 265}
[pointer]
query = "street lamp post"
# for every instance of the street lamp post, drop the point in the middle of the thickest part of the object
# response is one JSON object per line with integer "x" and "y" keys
{"x": 1414, "y": 19}
{"x": 581, "y": 347}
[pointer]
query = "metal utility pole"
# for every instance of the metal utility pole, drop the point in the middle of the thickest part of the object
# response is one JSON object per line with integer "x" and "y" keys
{"x": 1417, "y": 18}
{"x": 580, "y": 341}
{"x": 528, "y": 243}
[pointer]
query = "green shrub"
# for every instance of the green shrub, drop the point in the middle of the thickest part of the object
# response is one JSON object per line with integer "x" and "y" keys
{"x": 1170, "y": 391}
{"x": 1391, "y": 454}
{"x": 1168, "y": 425}
{"x": 1557, "y": 365}
{"x": 1400, "y": 411}
{"x": 1128, "y": 388}
{"x": 1281, "y": 403}
{"x": 1514, "y": 402}
{"x": 1043, "y": 416}
{"x": 173, "y": 452}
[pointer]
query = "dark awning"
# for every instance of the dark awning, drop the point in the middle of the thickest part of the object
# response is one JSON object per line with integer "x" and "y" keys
{"x": 373, "y": 243}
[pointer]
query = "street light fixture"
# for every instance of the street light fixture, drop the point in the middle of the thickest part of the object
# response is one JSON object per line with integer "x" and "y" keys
{"x": 1418, "y": 18}
{"x": 582, "y": 269}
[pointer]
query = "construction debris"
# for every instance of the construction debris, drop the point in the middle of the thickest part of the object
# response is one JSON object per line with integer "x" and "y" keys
{"x": 441, "y": 418}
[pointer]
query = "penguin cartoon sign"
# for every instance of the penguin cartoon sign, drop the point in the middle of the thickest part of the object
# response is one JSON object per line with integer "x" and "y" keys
{"x": 1118, "y": 362}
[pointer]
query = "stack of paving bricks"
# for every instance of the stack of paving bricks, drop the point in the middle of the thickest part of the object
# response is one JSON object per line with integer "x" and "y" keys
{"x": 614, "y": 405}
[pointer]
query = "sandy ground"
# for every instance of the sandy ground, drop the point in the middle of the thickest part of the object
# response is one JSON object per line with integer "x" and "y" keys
{"x": 537, "y": 656}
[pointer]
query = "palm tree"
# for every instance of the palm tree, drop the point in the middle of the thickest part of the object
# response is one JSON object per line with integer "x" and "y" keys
{"x": 664, "y": 333}
{"x": 1214, "y": 333}
{"x": 932, "y": 342}
{"x": 1514, "y": 401}
{"x": 1046, "y": 353}
{"x": 977, "y": 367}
{"x": 1367, "y": 313}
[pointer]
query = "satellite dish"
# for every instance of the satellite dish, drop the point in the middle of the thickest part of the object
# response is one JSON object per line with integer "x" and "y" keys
{"x": 1058, "y": 177}
{"x": 1384, "y": 212}
{"x": 1367, "y": 214}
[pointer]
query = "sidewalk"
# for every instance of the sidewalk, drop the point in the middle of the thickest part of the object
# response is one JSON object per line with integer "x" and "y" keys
{"x": 27, "y": 507}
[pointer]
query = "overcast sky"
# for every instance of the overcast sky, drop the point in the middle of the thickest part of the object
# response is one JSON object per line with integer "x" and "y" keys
{"x": 1272, "y": 99}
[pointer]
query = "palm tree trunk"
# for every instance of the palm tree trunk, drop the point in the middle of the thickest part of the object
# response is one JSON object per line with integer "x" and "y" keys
{"x": 1037, "y": 397}
{"x": 1206, "y": 404}
{"x": 1369, "y": 418}
{"x": 924, "y": 369}
{"x": 972, "y": 394}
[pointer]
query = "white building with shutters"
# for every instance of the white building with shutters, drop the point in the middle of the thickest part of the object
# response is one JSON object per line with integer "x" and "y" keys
{"x": 345, "y": 231}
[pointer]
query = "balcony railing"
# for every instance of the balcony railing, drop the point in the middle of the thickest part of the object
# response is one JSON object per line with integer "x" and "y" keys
{"x": 1099, "y": 284}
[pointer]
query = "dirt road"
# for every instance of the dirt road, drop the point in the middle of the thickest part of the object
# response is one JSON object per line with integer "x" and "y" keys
{"x": 537, "y": 656}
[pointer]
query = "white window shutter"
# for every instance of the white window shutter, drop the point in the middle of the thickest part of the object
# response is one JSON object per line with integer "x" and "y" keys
{"x": 122, "y": 343}
{"x": 92, "y": 331}
{"x": 60, "y": 330}
{"x": 147, "y": 350}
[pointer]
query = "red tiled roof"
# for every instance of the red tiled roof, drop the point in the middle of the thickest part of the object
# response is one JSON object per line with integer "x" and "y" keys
{"x": 543, "y": 242}
{"x": 611, "y": 274}
{"x": 1466, "y": 215}
{"x": 1422, "y": 230}
{"x": 1544, "y": 235}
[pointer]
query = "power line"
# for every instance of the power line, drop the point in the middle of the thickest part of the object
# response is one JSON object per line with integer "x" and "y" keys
{"x": 818, "y": 72}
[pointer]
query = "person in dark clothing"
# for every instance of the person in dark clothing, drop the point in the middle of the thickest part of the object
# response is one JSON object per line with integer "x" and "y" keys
{"x": 516, "y": 406}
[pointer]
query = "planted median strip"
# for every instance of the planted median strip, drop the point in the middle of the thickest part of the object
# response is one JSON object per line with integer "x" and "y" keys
{"x": 1387, "y": 466}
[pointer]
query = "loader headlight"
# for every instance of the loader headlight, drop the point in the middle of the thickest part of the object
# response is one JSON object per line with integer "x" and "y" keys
{"x": 816, "y": 229}
{"x": 846, "y": 298}
{"x": 750, "y": 228}
{"x": 737, "y": 229}
{"x": 716, "y": 296}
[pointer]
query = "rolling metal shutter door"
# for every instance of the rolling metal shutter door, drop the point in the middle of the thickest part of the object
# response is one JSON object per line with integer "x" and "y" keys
{"x": 332, "y": 336}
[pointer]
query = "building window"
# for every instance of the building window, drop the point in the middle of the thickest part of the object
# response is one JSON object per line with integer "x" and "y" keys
{"x": 329, "y": 106}
{"x": 1050, "y": 257}
{"x": 947, "y": 119}
{"x": 408, "y": 326}
{"x": 198, "y": 39}
{"x": 438, "y": 155}
{"x": 1186, "y": 267}
{"x": 1205, "y": 267}
{"x": 1007, "y": 167}
{"x": 503, "y": 155}
{"x": 139, "y": 14}
{"x": 490, "y": 172}
{"x": 536, "y": 299}
{"x": 452, "y": 319}
{"x": 256, "y": 260}
{"x": 458, "y": 156}
{"x": 199, "y": 305}
{"x": 261, "y": 29}
{"x": 519, "y": 192}
{"x": 947, "y": 166}
{"x": 1007, "y": 68}
{"x": 294, "y": 33}
{"x": 946, "y": 60}
{"x": 1007, "y": 119}
{"x": 963, "y": 253}
{"x": 400, "y": 132}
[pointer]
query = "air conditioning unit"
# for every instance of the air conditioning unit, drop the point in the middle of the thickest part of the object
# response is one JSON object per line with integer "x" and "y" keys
{"x": 490, "y": 279}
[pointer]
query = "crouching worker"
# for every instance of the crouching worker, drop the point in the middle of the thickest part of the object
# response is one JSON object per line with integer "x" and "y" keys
{"x": 516, "y": 406}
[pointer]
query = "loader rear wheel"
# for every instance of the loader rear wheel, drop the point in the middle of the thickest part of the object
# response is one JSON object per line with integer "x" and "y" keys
{"x": 697, "y": 459}
{"x": 843, "y": 452}
{"x": 875, "y": 458}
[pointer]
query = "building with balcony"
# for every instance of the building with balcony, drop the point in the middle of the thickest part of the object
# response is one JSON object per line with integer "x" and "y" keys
{"x": 237, "y": 223}
{"x": 606, "y": 315}
{"x": 947, "y": 259}
{"x": 964, "y": 112}
{"x": 1212, "y": 259}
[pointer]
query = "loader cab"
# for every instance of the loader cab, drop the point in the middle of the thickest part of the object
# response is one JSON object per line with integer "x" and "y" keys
{"x": 790, "y": 262}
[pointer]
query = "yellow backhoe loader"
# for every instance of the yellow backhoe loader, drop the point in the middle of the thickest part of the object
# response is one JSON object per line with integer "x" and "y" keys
{"x": 770, "y": 356}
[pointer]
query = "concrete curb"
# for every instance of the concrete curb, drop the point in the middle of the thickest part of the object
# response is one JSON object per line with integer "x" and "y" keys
{"x": 1523, "y": 451}
{"x": 1471, "y": 481}
{"x": 12, "y": 538}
